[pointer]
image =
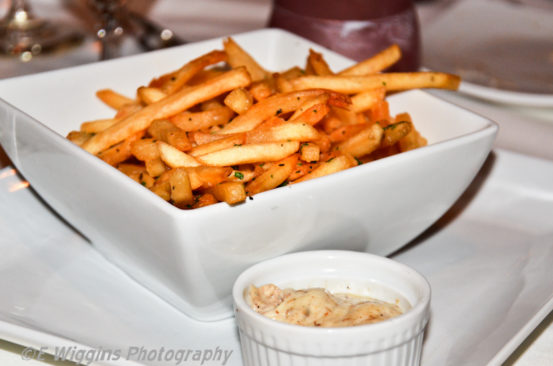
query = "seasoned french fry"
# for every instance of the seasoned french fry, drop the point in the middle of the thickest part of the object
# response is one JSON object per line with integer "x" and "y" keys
{"x": 362, "y": 143}
{"x": 310, "y": 103}
{"x": 113, "y": 99}
{"x": 150, "y": 95}
{"x": 239, "y": 100}
{"x": 120, "y": 152}
{"x": 174, "y": 157}
{"x": 318, "y": 64}
{"x": 170, "y": 83}
{"x": 238, "y": 57}
{"x": 273, "y": 177}
{"x": 283, "y": 132}
{"x": 343, "y": 133}
{"x": 137, "y": 173}
{"x": 253, "y": 153}
{"x": 229, "y": 192}
{"x": 207, "y": 176}
{"x": 181, "y": 192}
{"x": 155, "y": 167}
{"x": 165, "y": 131}
{"x": 366, "y": 100}
{"x": 390, "y": 81}
{"x": 330, "y": 166}
{"x": 261, "y": 90}
{"x": 395, "y": 132}
{"x": 78, "y": 137}
{"x": 272, "y": 106}
{"x": 376, "y": 63}
{"x": 204, "y": 200}
{"x": 242, "y": 175}
{"x": 145, "y": 149}
{"x": 192, "y": 121}
{"x": 97, "y": 125}
{"x": 167, "y": 107}
{"x": 220, "y": 144}
{"x": 310, "y": 152}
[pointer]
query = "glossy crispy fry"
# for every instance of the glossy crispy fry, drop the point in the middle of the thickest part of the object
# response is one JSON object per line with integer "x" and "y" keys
{"x": 181, "y": 191}
{"x": 145, "y": 149}
{"x": 376, "y": 63}
{"x": 330, "y": 166}
{"x": 253, "y": 153}
{"x": 120, "y": 152}
{"x": 241, "y": 175}
{"x": 138, "y": 173}
{"x": 362, "y": 143}
{"x": 207, "y": 176}
{"x": 345, "y": 132}
{"x": 167, "y": 107}
{"x": 229, "y": 192}
{"x": 283, "y": 132}
{"x": 272, "y": 106}
{"x": 192, "y": 121}
{"x": 113, "y": 99}
{"x": 78, "y": 137}
{"x": 309, "y": 103}
{"x": 155, "y": 167}
{"x": 310, "y": 152}
{"x": 395, "y": 132}
{"x": 219, "y": 144}
{"x": 318, "y": 64}
{"x": 261, "y": 90}
{"x": 238, "y": 57}
{"x": 97, "y": 125}
{"x": 172, "y": 82}
{"x": 150, "y": 95}
{"x": 366, "y": 100}
{"x": 174, "y": 157}
{"x": 273, "y": 177}
{"x": 166, "y": 131}
{"x": 390, "y": 81}
{"x": 239, "y": 100}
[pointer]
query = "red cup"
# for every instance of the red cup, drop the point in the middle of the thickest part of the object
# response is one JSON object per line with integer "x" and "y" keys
{"x": 354, "y": 28}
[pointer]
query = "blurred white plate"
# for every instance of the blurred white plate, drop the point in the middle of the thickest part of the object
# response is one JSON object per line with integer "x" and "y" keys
{"x": 502, "y": 49}
{"x": 488, "y": 261}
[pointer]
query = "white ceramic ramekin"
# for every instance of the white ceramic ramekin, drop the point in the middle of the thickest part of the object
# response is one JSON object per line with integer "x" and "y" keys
{"x": 393, "y": 342}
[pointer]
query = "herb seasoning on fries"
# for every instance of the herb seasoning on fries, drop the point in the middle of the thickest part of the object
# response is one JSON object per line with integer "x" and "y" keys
{"x": 207, "y": 133}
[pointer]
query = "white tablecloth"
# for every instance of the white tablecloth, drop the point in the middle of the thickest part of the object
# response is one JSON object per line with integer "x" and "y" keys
{"x": 523, "y": 129}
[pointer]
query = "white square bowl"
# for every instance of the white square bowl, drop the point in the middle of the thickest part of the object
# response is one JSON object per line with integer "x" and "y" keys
{"x": 191, "y": 258}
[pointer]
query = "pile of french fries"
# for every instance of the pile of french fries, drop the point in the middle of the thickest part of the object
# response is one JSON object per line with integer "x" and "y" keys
{"x": 222, "y": 128}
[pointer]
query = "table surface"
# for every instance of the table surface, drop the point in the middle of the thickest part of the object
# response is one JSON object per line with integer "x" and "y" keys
{"x": 523, "y": 129}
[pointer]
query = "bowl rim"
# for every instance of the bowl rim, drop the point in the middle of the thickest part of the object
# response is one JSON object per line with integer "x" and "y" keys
{"x": 416, "y": 311}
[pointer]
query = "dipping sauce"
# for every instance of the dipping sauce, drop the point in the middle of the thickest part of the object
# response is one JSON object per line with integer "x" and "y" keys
{"x": 317, "y": 307}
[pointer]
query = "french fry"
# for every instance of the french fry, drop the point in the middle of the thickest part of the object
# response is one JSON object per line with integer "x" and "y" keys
{"x": 170, "y": 83}
{"x": 113, "y": 99}
{"x": 390, "y": 81}
{"x": 229, "y": 192}
{"x": 79, "y": 137}
{"x": 150, "y": 95}
{"x": 97, "y": 125}
{"x": 318, "y": 64}
{"x": 310, "y": 103}
{"x": 261, "y": 90}
{"x": 242, "y": 175}
{"x": 366, "y": 100}
{"x": 395, "y": 132}
{"x": 120, "y": 152}
{"x": 292, "y": 73}
{"x": 155, "y": 167}
{"x": 376, "y": 63}
{"x": 145, "y": 149}
{"x": 166, "y": 108}
{"x": 207, "y": 176}
{"x": 204, "y": 200}
{"x": 239, "y": 100}
{"x": 283, "y": 132}
{"x": 272, "y": 106}
{"x": 181, "y": 192}
{"x": 165, "y": 131}
{"x": 219, "y": 144}
{"x": 138, "y": 173}
{"x": 238, "y": 57}
{"x": 253, "y": 153}
{"x": 310, "y": 152}
{"x": 174, "y": 157}
{"x": 273, "y": 177}
{"x": 330, "y": 166}
{"x": 192, "y": 121}
{"x": 362, "y": 143}
{"x": 343, "y": 133}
